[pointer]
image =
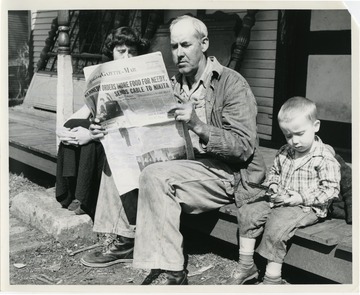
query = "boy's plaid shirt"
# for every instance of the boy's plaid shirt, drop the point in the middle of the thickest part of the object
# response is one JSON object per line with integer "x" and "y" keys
{"x": 316, "y": 178}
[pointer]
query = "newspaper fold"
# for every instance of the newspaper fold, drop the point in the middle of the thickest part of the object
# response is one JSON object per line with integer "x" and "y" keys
{"x": 132, "y": 98}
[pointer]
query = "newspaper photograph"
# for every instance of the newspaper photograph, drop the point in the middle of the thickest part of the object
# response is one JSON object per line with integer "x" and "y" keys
{"x": 132, "y": 98}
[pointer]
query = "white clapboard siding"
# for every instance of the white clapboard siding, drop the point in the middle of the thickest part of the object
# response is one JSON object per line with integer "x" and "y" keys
{"x": 254, "y": 82}
{"x": 265, "y": 110}
{"x": 264, "y": 101}
{"x": 258, "y": 66}
{"x": 264, "y": 35}
{"x": 41, "y": 21}
{"x": 263, "y": 92}
{"x": 264, "y": 119}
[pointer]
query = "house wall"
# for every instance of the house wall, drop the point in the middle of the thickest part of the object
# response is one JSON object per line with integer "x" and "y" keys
{"x": 258, "y": 66}
{"x": 18, "y": 33}
{"x": 329, "y": 76}
{"x": 41, "y": 21}
{"x": 18, "y": 36}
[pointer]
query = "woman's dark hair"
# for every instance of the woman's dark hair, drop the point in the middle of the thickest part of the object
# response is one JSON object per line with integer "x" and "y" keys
{"x": 124, "y": 36}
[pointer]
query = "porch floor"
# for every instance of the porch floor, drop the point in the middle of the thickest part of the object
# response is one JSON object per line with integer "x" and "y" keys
{"x": 32, "y": 138}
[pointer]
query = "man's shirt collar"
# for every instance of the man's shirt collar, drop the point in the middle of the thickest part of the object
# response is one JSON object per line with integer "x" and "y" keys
{"x": 212, "y": 71}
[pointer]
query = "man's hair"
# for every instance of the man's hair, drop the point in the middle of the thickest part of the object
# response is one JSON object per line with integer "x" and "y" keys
{"x": 200, "y": 28}
{"x": 297, "y": 106}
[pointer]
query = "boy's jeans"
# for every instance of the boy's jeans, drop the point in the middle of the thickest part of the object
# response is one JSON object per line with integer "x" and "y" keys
{"x": 167, "y": 189}
{"x": 277, "y": 225}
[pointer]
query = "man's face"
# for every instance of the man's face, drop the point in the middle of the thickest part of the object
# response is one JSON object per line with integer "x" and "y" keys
{"x": 300, "y": 133}
{"x": 187, "y": 48}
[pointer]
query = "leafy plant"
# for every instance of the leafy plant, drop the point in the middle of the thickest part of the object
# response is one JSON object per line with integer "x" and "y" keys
{"x": 22, "y": 72}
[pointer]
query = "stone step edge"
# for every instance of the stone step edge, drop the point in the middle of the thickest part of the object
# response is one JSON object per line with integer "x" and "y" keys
{"x": 41, "y": 210}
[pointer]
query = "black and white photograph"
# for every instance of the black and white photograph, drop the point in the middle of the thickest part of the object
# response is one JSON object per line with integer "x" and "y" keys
{"x": 261, "y": 193}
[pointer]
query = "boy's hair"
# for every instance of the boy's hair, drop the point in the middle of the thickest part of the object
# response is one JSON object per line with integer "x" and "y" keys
{"x": 295, "y": 106}
{"x": 199, "y": 26}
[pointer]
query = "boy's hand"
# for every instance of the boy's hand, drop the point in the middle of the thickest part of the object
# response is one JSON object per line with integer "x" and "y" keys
{"x": 274, "y": 187}
{"x": 278, "y": 199}
{"x": 294, "y": 199}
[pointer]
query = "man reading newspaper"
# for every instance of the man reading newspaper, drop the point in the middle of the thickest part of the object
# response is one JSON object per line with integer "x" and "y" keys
{"x": 217, "y": 106}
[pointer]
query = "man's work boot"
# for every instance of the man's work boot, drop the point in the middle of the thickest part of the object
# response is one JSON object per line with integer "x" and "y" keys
{"x": 153, "y": 275}
{"x": 166, "y": 277}
{"x": 119, "y": 250}
{"x": 240, "y": 275}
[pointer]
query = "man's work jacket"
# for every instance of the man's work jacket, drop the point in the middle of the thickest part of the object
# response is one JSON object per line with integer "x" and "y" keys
{"x": 231, "y": 114}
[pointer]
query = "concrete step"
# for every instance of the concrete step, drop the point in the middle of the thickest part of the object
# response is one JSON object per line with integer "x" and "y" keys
{"x": 40, "y": 210}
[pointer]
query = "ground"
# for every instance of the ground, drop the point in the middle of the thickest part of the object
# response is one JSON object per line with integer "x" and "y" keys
{"x": 38, "y": 259}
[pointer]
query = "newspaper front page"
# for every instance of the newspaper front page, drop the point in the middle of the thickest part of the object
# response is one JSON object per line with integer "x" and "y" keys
{"x": 132, "y": 98}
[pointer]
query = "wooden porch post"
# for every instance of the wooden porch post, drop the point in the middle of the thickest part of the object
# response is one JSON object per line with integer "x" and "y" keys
{"x": 64, "y": 99}
{"x": 242, "y": 40}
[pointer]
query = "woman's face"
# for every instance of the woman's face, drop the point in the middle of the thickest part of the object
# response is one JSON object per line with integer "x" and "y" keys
{"x": 124, "y": 51}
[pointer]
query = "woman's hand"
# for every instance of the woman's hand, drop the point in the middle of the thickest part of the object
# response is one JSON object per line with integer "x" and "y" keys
{"x": 96, "y": 130}
{"x": 76, "y": 136}
{"x": 82, "y": 135}
{"x": 65, "y": 135}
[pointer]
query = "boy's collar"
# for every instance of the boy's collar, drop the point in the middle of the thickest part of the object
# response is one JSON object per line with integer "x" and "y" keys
{"x": 318, "y": 149}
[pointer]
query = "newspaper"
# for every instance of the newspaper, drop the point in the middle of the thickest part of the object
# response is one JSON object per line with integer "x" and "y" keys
{"x": 132, "y": 98}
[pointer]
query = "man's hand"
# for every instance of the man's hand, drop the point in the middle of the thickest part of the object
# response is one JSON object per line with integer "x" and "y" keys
{"x": 294, "y": 199}
{"x": 186, "y": 113}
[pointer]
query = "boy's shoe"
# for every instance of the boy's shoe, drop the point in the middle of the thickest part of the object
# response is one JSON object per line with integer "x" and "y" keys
{"x": 119, "y": 250}
{"x": 272, "y": 281}
{"x": 240, "y": 275}
{"x": 166, "y": 277}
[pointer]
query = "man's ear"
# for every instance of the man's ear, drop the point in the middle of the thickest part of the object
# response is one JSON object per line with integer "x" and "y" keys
{"x": 317, "y": 125}
{"x": 204, "y": 44}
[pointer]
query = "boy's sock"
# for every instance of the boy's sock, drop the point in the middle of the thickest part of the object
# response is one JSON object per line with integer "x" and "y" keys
{"x": 246, "y": 252}
{"x": 273, "y": 270}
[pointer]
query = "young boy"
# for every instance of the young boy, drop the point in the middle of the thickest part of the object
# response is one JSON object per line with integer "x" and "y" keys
{"x": 304, "y": 178}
